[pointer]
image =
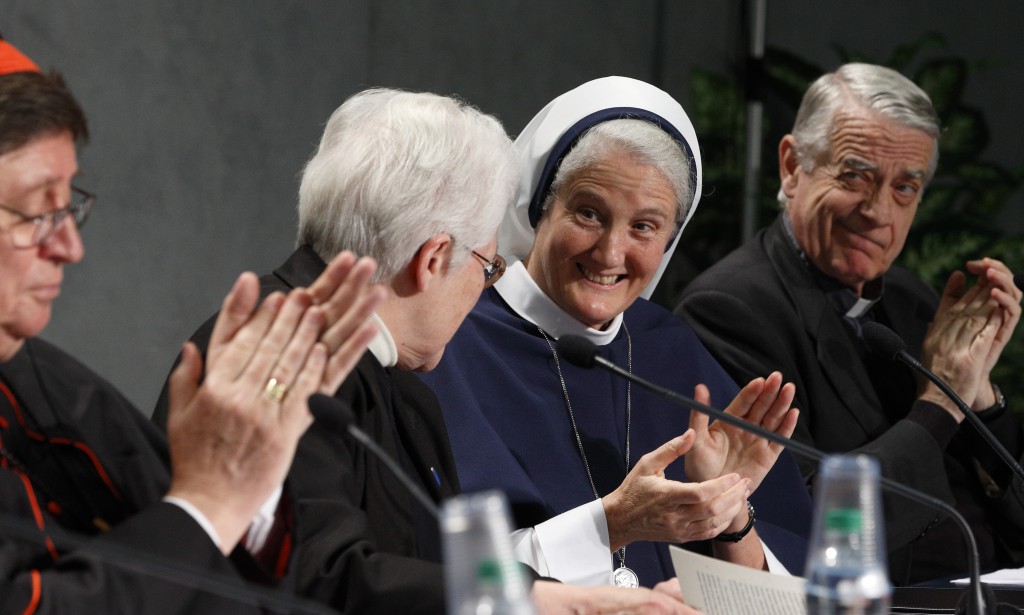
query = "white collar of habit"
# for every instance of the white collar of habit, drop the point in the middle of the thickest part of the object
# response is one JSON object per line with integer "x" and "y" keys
{"x": 523, "y": 295}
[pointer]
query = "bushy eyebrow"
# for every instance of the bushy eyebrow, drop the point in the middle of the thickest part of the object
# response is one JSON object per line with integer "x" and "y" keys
{"x": 856, "y": 164}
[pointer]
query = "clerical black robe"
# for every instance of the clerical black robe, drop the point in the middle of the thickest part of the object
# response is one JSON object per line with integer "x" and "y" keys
{"x": 79, "y": 457}
{"x": 367, "y": 546}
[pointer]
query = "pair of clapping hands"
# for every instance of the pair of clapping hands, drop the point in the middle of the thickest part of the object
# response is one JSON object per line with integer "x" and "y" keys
{"x": 969, "y": 332}
{"x": 724, "y": 463}
{"x": 232, "y": 438}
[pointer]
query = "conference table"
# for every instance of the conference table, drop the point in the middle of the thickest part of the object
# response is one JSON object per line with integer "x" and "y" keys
{"x": 928, "y": 600}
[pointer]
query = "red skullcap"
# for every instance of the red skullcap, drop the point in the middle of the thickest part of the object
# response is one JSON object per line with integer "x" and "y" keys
{"x": 13, "y": 61}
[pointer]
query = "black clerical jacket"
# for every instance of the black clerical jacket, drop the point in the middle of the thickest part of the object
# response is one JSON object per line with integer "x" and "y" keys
{"x": 82, "y": 525}
{"x": 761, "y": 309}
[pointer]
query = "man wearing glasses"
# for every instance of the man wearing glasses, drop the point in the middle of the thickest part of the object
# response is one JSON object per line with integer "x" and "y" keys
{"x": 31, "y": 231}
{"x": 93, "y": 518}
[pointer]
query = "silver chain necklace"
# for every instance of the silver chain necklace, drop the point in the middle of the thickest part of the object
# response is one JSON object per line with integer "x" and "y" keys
{"x": 622, "y": 576}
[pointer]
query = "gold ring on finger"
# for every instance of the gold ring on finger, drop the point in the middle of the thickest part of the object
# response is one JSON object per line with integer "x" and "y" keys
{"x": 275, "y": 389}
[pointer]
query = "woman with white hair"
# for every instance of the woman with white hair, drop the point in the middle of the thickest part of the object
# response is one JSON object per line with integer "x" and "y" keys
{"x": 609, "y": 175}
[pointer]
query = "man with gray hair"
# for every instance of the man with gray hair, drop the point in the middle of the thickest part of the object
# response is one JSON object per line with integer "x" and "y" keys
{"x": 794, "y": 298}
{"x": 420, "y": 183}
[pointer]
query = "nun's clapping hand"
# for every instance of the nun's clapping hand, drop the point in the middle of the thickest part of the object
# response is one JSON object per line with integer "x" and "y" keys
{"x": 649, "y": 506}
{"x": 721, "y": 449}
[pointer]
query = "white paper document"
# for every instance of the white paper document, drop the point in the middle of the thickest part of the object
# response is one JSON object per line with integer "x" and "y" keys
{"x": 1007, "y": 577}
{"x": 720, "y": 588}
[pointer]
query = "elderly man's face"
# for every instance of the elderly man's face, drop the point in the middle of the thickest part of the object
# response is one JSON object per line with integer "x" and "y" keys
{"x": 601, "y": 240}
{"x": 851, "y": 214}
{"x": 34, "y": 179}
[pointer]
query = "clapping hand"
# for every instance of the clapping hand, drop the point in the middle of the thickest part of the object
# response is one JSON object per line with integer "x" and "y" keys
{"x": 970, "y": 329}
{"x": 232, "y": 438}
{"x": 721, "y": 449}
{"x": 650, "y": 506}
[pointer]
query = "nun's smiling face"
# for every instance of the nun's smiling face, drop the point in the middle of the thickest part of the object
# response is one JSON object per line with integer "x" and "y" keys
{"x": 601, "y": 241}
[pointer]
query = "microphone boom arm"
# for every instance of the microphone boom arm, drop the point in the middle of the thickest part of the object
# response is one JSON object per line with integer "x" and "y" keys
{"x": 975, "y": 598}
{"x": 393, "y": 466}
{"x": 969, "y": 415}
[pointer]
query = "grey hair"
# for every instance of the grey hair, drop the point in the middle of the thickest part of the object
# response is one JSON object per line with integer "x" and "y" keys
{"x": 875, "y": 88}
{"x": 644, "y": 141}
{"x": 396, "y": 168}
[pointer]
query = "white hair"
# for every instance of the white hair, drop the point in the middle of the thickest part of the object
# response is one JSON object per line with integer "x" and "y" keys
{"x": 396, "y": 168}
{"x": 644, "y": 141}
{"x": 867, "y": 86}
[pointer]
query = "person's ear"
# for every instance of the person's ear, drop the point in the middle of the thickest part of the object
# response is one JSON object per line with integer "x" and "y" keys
{"x": 432, "y": 260}
{"x": 788, "y": 165}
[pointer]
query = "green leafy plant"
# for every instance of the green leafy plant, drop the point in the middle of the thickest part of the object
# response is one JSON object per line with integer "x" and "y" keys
{"x": 958, "y": 218}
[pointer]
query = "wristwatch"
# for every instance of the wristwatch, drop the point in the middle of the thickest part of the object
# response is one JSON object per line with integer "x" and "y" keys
{"x": 997, "y": 407}
{"x": 740, "y": 535}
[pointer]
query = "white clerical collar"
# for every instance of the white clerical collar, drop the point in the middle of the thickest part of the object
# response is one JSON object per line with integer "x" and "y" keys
{"x": 840, "y": 295}
{"x": 523, "y": 295}
{"x": 382, "y": 346}
{"x": 861, "y": 307}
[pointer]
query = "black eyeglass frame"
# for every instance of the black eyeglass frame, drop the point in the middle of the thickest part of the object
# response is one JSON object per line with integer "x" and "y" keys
{"x": 493, "y": 268}
{"x": 45, "y": 224}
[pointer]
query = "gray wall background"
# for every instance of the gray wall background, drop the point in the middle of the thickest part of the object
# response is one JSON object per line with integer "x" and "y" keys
{"x": 203, "y": 113}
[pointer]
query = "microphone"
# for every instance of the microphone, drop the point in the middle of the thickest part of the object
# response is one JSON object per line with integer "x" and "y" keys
{"x": 886, "y": 342}
{"x": 1018, "y": 280}
{"x": 581, "y": 352}
{"x": 336, "y": 414}
{"x": 979, "y": 598}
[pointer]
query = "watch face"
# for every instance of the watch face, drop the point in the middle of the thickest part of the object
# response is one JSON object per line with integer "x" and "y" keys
{"x": 740, "y": 535}
{"x": 999, "y": 404}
